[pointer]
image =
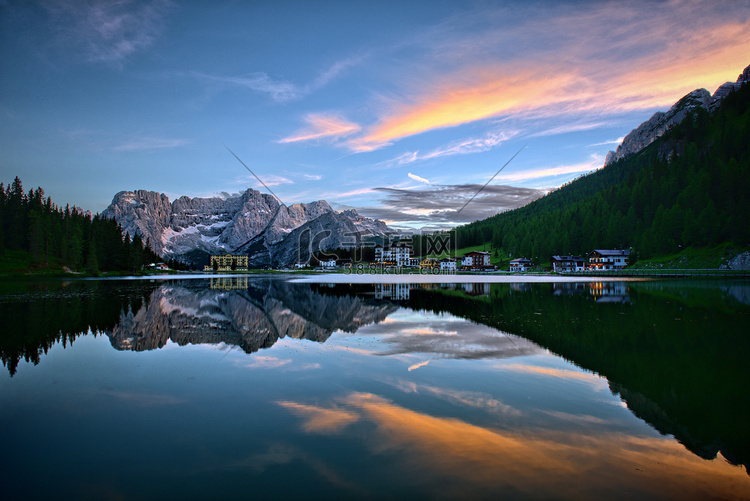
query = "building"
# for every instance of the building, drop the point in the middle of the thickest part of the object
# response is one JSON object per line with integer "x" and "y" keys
{"x": 567, "y": 263}
{"x": 328, "y": 263}
{"x": 227, "y": 262}
{"x": 399, "y": 254}
{"x": 448, "y": 265}
{"x": 429, "y": 263}
{"x": 606, "y": 259}
{"x": 520, "y": 264}
{"x": 477, "y": 259}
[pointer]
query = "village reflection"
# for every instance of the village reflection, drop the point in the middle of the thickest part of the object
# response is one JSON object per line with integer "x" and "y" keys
{"x": 648, "y": 340}
{"x": 601, "y": 292}
{"x": 229, "y": 283}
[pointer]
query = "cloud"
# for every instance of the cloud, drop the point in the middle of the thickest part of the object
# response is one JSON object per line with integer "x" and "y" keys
{"x": 452, "y": 454}
{"x": 599, "y": 59}
{"x": 461, "y": 147}
{"x": 150, "y": 143}
{"x": 323, "y": 126}
{"x": 312, "y": 177}
{"x": 450, "y": 339}
{"x": 266, "y": 362}
{"x": 458, "y": 100}
{"x": 595, "y": 163}
{"x": 321, "y": 419}
{"x": 612, "y": 142}
{"x": 441, "y": 203}
{"x": 142, "y": 399}
{"x": 553, "y": 372}
{"x": 280, "y": 90}
{"x": 417, "y": 178}
{"x": 473, "y": 399}
{"x": 418, "y": 365}
{"x": 567, "y": 128}
{"x": 106, "y": 31}
{"x": 268, "y": 180}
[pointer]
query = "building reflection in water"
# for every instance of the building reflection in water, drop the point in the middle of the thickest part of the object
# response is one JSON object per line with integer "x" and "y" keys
{"x": 609, "y": 292}
{"x": 401, "y": 292}
{"x": 602, "y": 292}
{"x": 229, "y": 283}
{"x": 394, "y": 292}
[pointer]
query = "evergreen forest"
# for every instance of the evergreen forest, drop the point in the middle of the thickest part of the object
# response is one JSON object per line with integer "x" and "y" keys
{"x": 49, "y": 237}
{"x": 689, "y": 188}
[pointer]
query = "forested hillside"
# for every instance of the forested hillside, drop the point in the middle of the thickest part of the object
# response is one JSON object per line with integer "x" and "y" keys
{"x": 51, "y": 237}
{"x": 691, "y": 187}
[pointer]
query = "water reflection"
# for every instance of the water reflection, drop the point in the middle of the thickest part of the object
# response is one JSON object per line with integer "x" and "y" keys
{"x": 251, "y": 317}
{"x": 452, "y": 453}
{"x": 674, "y": 355}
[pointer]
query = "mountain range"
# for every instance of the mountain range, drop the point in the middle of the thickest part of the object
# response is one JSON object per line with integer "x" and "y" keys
{"x": 273, "y": 234}
{"x": 252, "y": 222}
{"x": 661, "y": 122}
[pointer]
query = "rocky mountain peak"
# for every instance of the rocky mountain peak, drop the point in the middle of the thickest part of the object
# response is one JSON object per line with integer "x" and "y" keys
{"x": 660, "y": 122}
{"x": 223, "y": 224}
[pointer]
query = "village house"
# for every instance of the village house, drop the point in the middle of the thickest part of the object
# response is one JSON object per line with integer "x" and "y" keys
{"x": 448, "y": 265}
{"x": 520, "y": 264}
{"x": 227, "y": 262}
{"x": 399, "y": 254}
{"x": 476, "y": 259}
{"x": 328, "y": 263}
{"x": 567, "y": 263}
{"x": 429, "y": 263}
{"x": 607, "y": 259}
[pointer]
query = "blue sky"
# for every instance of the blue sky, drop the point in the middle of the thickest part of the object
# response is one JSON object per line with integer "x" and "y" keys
{"x": 399, "y": 109}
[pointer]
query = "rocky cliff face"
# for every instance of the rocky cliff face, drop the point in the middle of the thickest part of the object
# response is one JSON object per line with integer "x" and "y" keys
{"x": 660, "y": 122}
{"x": 329, "y": 231}
{"x": 250, "y": 319}
{"x": 212, "y": 225}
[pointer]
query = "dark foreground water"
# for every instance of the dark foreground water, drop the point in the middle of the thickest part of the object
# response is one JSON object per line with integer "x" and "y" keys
{"x": 252, "y": 388}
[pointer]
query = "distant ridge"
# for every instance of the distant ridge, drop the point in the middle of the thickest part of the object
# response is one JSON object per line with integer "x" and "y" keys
{"x": 660, "y": 122}
{"x": 190, "y": 227}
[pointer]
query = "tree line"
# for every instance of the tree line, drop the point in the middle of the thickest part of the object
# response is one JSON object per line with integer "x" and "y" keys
{"x": 688, "y": 188}
{"x": 56, "y": 237}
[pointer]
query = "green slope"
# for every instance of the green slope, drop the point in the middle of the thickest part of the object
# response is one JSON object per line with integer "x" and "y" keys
{"x": 689, "y": 188}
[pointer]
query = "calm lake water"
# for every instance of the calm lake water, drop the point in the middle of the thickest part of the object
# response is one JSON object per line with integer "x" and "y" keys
{"x": 251, "y": 387}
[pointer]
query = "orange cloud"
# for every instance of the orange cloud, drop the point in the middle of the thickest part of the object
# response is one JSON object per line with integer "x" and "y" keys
{"x": 545, "y": 465}
{"x": 481, "y": 95}
{"x": 573, "y": 77}
{"x": 320, "y": 419}
{"x": 550, "y": 371}
{"x": 418, "y": 365}
{"x": 322, "y": 126}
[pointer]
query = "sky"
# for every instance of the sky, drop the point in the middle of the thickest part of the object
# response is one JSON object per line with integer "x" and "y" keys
{"x": 402, "y": 110}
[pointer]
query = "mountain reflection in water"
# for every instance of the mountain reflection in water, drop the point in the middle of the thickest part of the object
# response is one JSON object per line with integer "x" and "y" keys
{"x": 249, "y": 315}
{"x": 674, "y": 353}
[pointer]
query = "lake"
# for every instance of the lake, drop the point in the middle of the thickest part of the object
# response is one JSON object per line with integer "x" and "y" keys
{"x": 276, "y": 388}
